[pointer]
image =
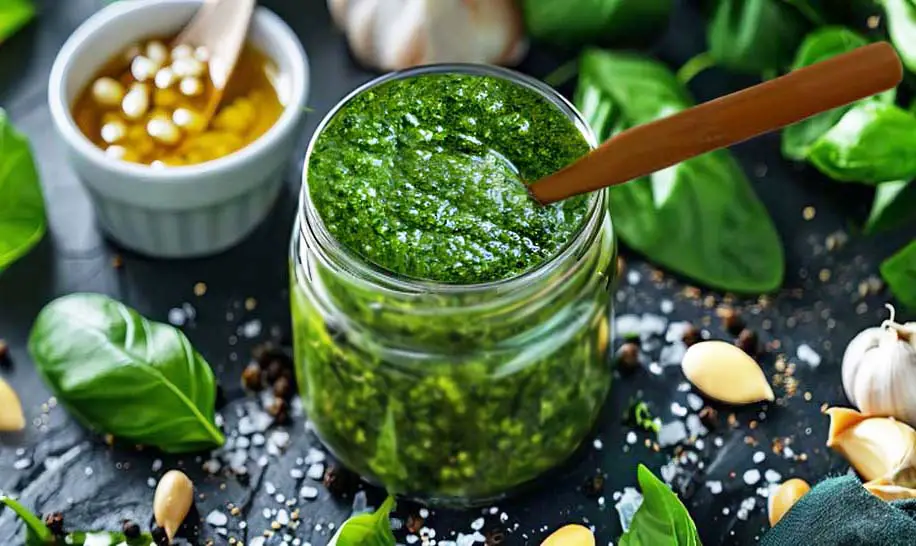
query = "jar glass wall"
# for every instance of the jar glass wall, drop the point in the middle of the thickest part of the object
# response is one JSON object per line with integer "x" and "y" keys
{"x": 453, "y": 394}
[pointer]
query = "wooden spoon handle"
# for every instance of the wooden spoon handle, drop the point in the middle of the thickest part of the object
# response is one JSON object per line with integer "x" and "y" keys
{"x": 727, "y": 120}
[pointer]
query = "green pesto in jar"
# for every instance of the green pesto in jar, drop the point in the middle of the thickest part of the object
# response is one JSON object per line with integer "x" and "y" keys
{"x": 423, "y": 177}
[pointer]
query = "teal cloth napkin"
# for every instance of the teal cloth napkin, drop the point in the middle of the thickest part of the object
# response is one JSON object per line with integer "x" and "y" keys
{"x": 840, "y": 512}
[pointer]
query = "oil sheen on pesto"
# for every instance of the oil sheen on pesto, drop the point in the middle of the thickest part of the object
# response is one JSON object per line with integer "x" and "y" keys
{"x": 423, "y": 177}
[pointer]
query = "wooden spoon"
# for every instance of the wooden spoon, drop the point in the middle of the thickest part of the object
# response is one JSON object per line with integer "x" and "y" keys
{"x": 219, "y": 26}
{"x": 727, "y": 120}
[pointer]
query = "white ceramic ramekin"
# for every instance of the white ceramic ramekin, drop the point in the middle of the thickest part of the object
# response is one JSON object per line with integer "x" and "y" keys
{"x": 178, "y": 211}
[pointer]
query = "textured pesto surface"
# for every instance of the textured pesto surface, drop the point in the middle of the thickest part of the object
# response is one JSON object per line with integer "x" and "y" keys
{"x": 423, "y": 177}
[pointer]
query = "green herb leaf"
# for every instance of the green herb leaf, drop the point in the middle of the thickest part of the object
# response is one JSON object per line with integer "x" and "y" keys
{"x": 901, "y": 25}
{"x": 367, "y": 529}
{"x": 894, "y": 206}
{"x": 873, "y": 142}
{"x": 899, "y": 271}
{"x": 700, "y": 218}
{"x": 640, "y": 416}
{"x": 37, "y": 533}
{"x": 22, "y": 208}
{"x": 755, "y": 36}
{"x": 578, "y": 22}
{"x": 819, "y": 46}
{"x": 661, "y": 519}
{"x": 14, "y": 14}
{"x": 122, "y": 374}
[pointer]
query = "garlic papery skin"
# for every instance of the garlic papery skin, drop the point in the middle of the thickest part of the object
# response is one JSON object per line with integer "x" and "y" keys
{"x": 398, "y": 34}
{"x": 879, "y": 370}
{"x": 889, "y": 492}
{"x": 877, "y": 447}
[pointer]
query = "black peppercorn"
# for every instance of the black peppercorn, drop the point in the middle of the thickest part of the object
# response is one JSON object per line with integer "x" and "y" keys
{"x": 414, "y": 523}
{"x": 628, "y": 357}
{"x": 709, "y": 418}
{"x": 274, "y": 371}
{"x": 130, "y": 529}
{"x": 691, "y": 335}
{"x": 747, "y": 341}
{"x": 55, "y": 524}
{"x": 494, "y": 537}
{"x": 160, "y": 538}
{"x": 251, "y": 377}
{"x": 731, "y": 320}
{"x": 263, "y": 352}
{"x": 279, "y": 409}
{"x": 593, "y": 486}
{"x": 282, "y": 388}
{"x": 4, "y": 354}
{"x": 340, "y": 481}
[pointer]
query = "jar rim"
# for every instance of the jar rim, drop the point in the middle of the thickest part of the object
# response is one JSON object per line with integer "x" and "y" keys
{"x": 309, "y": 219}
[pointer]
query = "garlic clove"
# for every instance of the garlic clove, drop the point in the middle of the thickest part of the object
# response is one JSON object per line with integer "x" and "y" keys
{"x": 784, "y": 497}
{"x": 570, "y": 535}
{"x": 877, "y": 447}
{"x": 865, "y": 341}
{"x": 172, "y": 501}
{"x": 724, "y": 372}
{"x": 11, "y": 417}
{"x": 889, "y": 492}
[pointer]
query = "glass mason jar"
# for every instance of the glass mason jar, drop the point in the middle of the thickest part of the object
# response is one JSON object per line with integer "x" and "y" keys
{"x": 453, "y": 394}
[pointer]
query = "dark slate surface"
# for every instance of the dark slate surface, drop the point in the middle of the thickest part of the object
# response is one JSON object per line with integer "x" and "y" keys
{"x": 98, "y": 485}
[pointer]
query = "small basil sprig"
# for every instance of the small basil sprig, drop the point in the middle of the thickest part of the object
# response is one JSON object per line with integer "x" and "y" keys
{"x": 38, "y": 534}
{"x": 14, "y": 14}
{"x": 367, "y": 529}
{"x": 899, "y": 271}
{"x": 661, "y": 518}
{"x": 22, "y": 208}
{"x": 700, "y": 218}
{"x": 894, "y": 206}
{"x": 755, "y": 36}
{"x": 124, "y": 375}
{"x": 901, "y": 26}
{"x": 576, "y": 22}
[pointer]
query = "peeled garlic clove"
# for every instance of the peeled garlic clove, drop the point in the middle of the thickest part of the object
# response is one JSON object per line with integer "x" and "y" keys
{"x": 172, "y": 501}
{"x": 784, "y": 497}
{"x": 725, "y": 372}
{"x": 877, "y": 447}
{"x": 570, "y": 535}
{"x": 11, "y": 417}
{"x": 889, "y": 492}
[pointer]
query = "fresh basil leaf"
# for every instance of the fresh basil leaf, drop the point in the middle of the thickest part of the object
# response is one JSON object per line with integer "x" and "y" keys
{"x": 901, "y": 25}
{"x": 894, "y": 206}
{"x": 640, "y": 416}
{"x": 124, "y": 375}
{"x": 818, "y": 46}
{"x": 37, "y": 533}
{"x": 22, "y": 208}
{"x": 699, "y": 218}
{"x": 899, "y": 272}
{"x": 662, "y": 519}
{"x": 755, "y": 36}
{"x": 577, "y": 22}
{"x": 367, "y": 529}
{"x": 873, "y": 142}
{"x": 14, "y": 14}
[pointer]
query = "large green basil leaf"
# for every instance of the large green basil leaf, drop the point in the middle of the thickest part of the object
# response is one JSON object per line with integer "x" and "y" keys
{"x": 14, "y": 14}
{"x": 818, "y": 46}
{"x": 901, "y": 25}
{"x": 894, "y": 206}
{"x": 661, "y": 520}
{"x": 367, "y": 529}
{"x": 755, "y": 36}
{"x": 22, "y": 208}
{"x": 700, "y": 218}
{"x": 873, "y": 142}
{"x": 124, "y": 375}
{"x": 899, "y": 271}
{"x": 577, "y": 22}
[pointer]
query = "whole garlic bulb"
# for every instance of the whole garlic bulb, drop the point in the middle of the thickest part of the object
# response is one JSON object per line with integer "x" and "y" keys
{"x": 398, "y": 34}
{"x": 879, "y": 370}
